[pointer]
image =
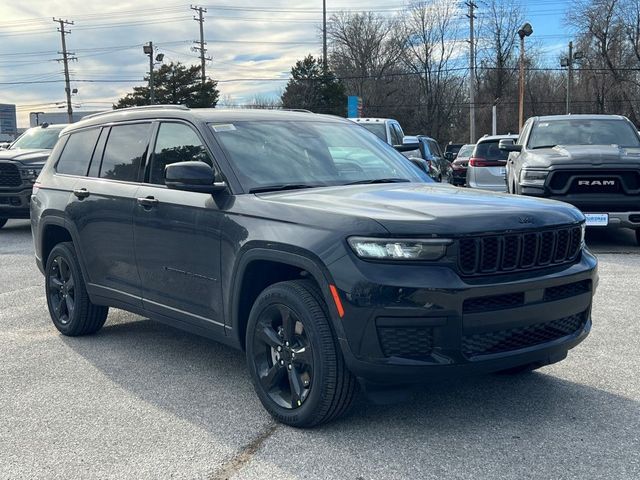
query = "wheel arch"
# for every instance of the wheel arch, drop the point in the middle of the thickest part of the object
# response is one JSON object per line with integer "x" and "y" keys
{"x": 259, "y": 268}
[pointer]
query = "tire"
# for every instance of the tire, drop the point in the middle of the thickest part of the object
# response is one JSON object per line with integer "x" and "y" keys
{"x": 638, "y": 236}
{"x": 3, "y": 222}
{"x": 289, "y": 319}
{"x": 71, "y": 311}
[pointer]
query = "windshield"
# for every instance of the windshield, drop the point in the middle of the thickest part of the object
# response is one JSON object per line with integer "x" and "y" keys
{"x": 37, "y": 138}
{"x": 465, "y": 151}
{"x": 583, "y": 132}
{"x": 378, "y": 129}
{"x": 307, "y": 154}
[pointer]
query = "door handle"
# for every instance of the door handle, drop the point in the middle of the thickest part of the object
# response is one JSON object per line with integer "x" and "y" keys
{"x": 148, "y": 202}
{"x": 81, "y": 193}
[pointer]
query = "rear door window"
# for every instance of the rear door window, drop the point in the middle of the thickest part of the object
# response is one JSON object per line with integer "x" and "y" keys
{"x": 176, "y": 142}
{"x": 125, "y": 152}
{"x": 77, "y": 153}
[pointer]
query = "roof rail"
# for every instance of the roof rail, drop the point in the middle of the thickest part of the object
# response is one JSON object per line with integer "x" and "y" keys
{"x": 142, "y": 107}
{"x": 301, "y": 110}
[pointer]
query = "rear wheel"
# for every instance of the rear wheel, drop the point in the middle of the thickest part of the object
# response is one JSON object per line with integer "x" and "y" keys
{"x": 71, "y": 310}
{"x": 3, "y": 222}
{"x": 293, "y": 358}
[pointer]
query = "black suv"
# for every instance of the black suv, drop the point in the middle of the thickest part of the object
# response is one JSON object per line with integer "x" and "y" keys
{"x": 590, "y": 161}
{"x": 311, "y": 245}
{"x": 20, "y": 165}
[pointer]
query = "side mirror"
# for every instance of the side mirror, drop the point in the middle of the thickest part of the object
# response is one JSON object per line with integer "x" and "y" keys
{"x": 420, "y": 163}
{"x": 508, "y": 145}
{"x": 192, "y": 177}
{"x": 407, "y": 147}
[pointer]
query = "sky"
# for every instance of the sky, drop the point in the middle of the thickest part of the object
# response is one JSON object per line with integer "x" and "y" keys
{"x": 252, "y": 45}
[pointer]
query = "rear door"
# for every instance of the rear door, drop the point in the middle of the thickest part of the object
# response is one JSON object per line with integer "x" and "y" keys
{"x": 177, "y": 236}
{"x": 102, "y": 211}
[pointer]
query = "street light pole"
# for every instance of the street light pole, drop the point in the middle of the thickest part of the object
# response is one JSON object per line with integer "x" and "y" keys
{"x": 524, "y": 31}
{"x": 148, "y": 49}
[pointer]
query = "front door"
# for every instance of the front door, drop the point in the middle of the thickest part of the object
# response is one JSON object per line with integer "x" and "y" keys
{"x": 177, "y": 237}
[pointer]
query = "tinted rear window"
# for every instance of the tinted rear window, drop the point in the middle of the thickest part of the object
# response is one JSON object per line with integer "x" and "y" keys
{"x": 489, "y": 151}
{"x": 125, "y": 150}
{"x": 378, "y": 129}
{"x": 77, "y": 152}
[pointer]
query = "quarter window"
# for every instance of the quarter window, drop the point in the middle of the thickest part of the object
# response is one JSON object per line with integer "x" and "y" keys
{"x": 76, "y": 156}
{"x": 125, "y": 151}
{"x": 176, "y": 143}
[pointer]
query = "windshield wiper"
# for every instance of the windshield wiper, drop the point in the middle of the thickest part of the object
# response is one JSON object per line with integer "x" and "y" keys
{"x": 283, "y": 186}
{"x": 543, "y": 146}
{"x": 378, "y": 180}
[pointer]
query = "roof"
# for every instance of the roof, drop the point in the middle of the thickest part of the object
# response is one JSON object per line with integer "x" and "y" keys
{"x": 371, "y": 120}
{"x": 200, "y": 114}
{"x": 488, "y": 138}
{"x": 589, "y": 116}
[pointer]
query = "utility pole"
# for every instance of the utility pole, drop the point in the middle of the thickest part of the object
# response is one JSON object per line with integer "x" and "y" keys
{"x": 202, "y": 49}
{"x": 568, "y": 62}
{"x": 324, "y": 32}
{"x": 148, "y": 49}
{"x": 472, "y": 73}
{"x": 66, "y": 57}
{"x": 524, "y": 31}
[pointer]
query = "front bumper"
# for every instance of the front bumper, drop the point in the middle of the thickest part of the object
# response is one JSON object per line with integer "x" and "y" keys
{"x": 429, "y": 322}
{"x": 14, "y": 203}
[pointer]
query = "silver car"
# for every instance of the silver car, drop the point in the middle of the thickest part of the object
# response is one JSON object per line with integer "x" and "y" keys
{"x": 487, "y": 165}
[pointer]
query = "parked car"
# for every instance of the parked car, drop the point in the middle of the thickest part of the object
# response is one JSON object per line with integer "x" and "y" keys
{"x": 590, "y": 161}
{"x": 451, "y": 151}
{"x": 429, "y": 150}
{"x": 386, "y": 129}
{"x": 20, "y": 165}
{"x": 308, "y": 244}
{"x": 460, "y": 164}
{"x": 487, "y": 165}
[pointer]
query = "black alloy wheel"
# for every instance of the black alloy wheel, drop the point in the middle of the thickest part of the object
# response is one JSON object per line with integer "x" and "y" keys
{"x": 283, "y": 357}
{"x": 62, "y": 290}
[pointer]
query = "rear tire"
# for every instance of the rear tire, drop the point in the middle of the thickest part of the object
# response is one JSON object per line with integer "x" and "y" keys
{"x": 3, "y": 222}
{"x": 71, "y": 311}
{"x": 294, "y": 360}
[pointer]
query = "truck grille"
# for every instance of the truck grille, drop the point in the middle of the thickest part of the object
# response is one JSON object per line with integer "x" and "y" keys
{"x": 518, "y": 252}
{"x": 597, "y": 181}
{"x": 9, "y": 175}
{"x": 522, "y": 337}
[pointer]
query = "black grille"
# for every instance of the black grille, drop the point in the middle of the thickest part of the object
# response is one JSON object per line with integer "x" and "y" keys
{"x": 408, "y": 342}
{"x": 565, "y": 291}
{"x": 9, "y": 175}
{"x": 522, "y": 337}
{"x": 13, "y": 201}
{"x": 624, "y": 181}
{"x": 496, "y": 302}
{"x": 515, "y": 252}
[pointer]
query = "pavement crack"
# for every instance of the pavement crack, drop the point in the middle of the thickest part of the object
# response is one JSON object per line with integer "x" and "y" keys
{"x": 244, "y": 456}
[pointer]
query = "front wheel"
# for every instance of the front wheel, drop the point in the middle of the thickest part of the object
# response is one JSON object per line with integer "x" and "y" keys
{"x": 3, "y": 222}
{"x": 293, "y": 358}
{"x": 71, "y": 310}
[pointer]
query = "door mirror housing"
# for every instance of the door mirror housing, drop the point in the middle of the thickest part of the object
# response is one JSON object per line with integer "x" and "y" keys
{"x": 508, "y": 145}
{"x": 407, "y": 147}
{"x": 420, "y": 163}
{"x": 193, "y": 177}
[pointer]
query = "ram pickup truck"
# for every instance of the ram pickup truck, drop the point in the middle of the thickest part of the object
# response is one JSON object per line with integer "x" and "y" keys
{"x": 20, "y": 165}
{"x": 589, "y": 161}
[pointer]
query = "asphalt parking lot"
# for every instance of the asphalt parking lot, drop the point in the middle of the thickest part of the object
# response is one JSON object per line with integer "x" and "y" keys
{"x": 141, "y": 400}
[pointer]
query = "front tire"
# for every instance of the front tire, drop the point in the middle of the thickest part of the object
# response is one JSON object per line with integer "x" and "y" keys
{"x": 71, "y": 311}
{"x": 294, "y": 361}
{"x": 3, "y": 222}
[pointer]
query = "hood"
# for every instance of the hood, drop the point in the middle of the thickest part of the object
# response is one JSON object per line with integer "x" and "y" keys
{"x": 25, "y": 156}
{"x": 426, "y": 209}
{"x": 585, "y": 154}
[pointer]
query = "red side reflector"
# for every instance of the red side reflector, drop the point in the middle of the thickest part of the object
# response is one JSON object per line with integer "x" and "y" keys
{"x": 336, "y": 299}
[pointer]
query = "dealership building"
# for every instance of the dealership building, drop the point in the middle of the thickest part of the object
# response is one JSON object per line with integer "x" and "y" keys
{"x": 8, "y": 122}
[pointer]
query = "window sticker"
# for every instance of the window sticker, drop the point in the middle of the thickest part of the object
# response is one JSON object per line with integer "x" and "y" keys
{"x": 226, "y": 127}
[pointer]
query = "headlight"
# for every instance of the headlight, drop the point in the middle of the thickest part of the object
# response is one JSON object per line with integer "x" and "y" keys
{"x": 399, "y": 249}
{"x": 534, "y": 178}
{"x": 30, "y": 173}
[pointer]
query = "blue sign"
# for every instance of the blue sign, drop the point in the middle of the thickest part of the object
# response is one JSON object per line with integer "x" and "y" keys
{"x": 353, "y": 106}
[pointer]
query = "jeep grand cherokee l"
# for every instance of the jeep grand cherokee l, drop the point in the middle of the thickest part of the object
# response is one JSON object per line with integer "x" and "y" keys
{"x": 20, "y": 165}
{"x": 590, "y": 161}
{"x": 311, "y": 245}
